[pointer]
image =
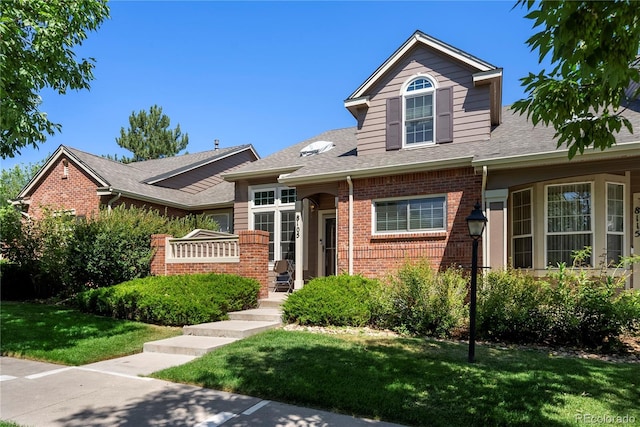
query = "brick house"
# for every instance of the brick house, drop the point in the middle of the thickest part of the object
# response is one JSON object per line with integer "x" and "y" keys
{"x": 80, "y": 183}
{"x": 431, "y": 138}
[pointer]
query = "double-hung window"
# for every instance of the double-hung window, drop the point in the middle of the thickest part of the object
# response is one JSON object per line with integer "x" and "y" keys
{"x": 419, "y": 112}
{"x": 569, "y": 221}
{"x": 273, "y": 210}
{"x": 410, "y": 215}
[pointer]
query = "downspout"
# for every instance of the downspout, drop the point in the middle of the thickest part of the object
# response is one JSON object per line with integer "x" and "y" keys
{"x": 486, "y": 243}
{"x": 350, "y": 224}
{"x": 112, "y": 201}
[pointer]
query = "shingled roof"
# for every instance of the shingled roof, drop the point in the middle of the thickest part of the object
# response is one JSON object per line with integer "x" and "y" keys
{"x": 137, "y": 179}
{"x": 515, "y": 140}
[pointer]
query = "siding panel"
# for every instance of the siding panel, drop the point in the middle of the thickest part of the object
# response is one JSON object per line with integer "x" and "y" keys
{"x": 470, "y": 104}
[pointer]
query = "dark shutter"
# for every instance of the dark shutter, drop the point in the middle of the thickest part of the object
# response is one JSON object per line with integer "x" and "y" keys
{"x": 444, "y": 114}
{"x": 394, "y": 123}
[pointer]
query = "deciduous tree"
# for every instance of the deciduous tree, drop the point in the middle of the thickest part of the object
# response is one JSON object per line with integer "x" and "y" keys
{"x": 592, "y": 47}
{"x": 37, "y": 38}
{"x": 14, "y": 179}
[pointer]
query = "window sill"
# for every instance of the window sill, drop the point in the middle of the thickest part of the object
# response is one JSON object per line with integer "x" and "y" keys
{"x": 433, "y": 235}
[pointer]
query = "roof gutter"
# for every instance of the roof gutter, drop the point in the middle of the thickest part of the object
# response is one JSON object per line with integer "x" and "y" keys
{"x": 231, "y": 177}
{"x": 376, "y": 171}
{"x": 558, "y": 157}
{"x": 108, "y": 191}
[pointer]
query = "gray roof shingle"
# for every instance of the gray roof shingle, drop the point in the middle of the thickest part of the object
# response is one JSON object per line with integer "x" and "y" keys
{"x": 515, "y": 137}
{"x": 132, "y": 178}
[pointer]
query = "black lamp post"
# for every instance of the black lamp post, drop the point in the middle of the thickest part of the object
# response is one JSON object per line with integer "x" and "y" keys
{"x": 475, "y": 222}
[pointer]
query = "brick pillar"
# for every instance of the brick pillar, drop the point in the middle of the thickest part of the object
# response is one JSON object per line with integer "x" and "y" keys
{"x": 254, "y": 257}
{"x": 158, "y": 260}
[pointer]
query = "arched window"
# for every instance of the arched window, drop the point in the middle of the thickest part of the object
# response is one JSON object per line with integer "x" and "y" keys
{"x": 418, "y": 112}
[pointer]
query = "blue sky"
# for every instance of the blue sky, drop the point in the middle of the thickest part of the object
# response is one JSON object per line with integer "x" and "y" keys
{"x": 266, "y": 73}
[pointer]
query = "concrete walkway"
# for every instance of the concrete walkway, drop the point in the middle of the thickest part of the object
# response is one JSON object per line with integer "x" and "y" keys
{"x": 116, "y": 393}
{"x": 201, "y": 339}
{"x": 39, "y": 394}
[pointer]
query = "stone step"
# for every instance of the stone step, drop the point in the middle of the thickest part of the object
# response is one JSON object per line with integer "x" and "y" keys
{"x": 187, "y": 344}
{"x": 257, "y": 314}
{"x": 275, "y": 300}
{"x": 229, "y": 328}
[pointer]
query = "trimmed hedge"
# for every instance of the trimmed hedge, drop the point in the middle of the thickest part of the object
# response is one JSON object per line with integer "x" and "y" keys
{"x": 334, "y": 300}
{"x": 173, "y": 300}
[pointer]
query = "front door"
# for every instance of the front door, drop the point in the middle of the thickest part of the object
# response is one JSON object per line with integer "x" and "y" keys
{"x": 328, "y": 247}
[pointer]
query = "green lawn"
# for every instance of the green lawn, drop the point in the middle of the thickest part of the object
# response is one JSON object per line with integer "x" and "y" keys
{"x": 417, "y": 381}
{"x": 405, "y": 380}
{"x": 67, "y": 336}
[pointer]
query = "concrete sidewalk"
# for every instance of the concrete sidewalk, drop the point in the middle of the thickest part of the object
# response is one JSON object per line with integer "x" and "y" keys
{"x": 110, "y": 394}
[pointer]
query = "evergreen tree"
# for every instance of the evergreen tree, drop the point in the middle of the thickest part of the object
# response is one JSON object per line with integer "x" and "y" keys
{"x": 149, "y": 136}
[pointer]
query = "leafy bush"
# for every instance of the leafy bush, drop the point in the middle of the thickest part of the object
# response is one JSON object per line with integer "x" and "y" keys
{"x": 565, "y": 307}
{"x": 334, "y": 300}
{"x": 36, "y": 252}
{"x": 59, "y": 256}
{"x": 419, "y": 300}
{"x": 511, "y": 307}
{"x": 173, "y": 300}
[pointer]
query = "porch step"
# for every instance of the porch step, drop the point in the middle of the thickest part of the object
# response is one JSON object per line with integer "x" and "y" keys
{"x": 197, "y": 340}
{"x": 275, "y": 300}
{"x": 230, "y": 328}
{"x": 257, "y": 314}
{"x": 187, "y": 344}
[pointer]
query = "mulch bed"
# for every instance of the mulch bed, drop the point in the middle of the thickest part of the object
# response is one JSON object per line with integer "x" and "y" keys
{"x": 628, "y": 353}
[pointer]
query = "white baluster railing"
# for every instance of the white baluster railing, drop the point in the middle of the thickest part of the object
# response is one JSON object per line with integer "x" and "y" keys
{"x": 202, "y": 249}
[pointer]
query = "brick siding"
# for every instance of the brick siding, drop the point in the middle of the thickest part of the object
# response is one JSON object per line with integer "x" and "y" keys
{"x": 59, "y": 191}
{"x": 376, "y": 256}
{"x": 253, "y": 263}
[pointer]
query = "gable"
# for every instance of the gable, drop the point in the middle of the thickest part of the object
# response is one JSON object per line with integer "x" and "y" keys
{"x": 203, "y": 177}
{"x": 462, "y": 109}
{"x": 58, "y": 165}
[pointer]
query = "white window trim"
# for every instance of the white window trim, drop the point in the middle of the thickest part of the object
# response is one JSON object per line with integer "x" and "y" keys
{"x": 622, "y": 233}
{"x": 277, "y": 207}
{"x": 532, "y": 232}
{"x": 375, "y": 232}
{"x": 546, "y": 217}
{"x": 212, "y": 215}
{"x": 403, "y": 96}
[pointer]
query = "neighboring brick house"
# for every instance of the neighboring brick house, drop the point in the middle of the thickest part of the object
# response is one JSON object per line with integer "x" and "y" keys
{"x": 80, "y": 183}
{"x": 431, "y": 139}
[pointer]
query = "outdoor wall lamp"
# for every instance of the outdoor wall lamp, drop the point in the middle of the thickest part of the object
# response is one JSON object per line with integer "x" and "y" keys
{"x": 475, "y": 222}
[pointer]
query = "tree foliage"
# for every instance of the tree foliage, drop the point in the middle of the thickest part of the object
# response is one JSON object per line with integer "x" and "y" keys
{"x": 14, "y": 179}
{"x": 149, "y": 136}
{"x": 37, "y": 38}
{"x": 592, "y": 48}
{"x": 59, "y": 255}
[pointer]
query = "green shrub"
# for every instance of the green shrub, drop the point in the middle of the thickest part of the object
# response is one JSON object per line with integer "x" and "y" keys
{"x": 511, "y": 307}
{"x": 418, "y": 300}
{"x": 334, "y": 300}
{"x": 59, "y": 256}
{"x": 37, "y": 251}
{"x": 566, "y": 307}
{"x": 173, "y": 300}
